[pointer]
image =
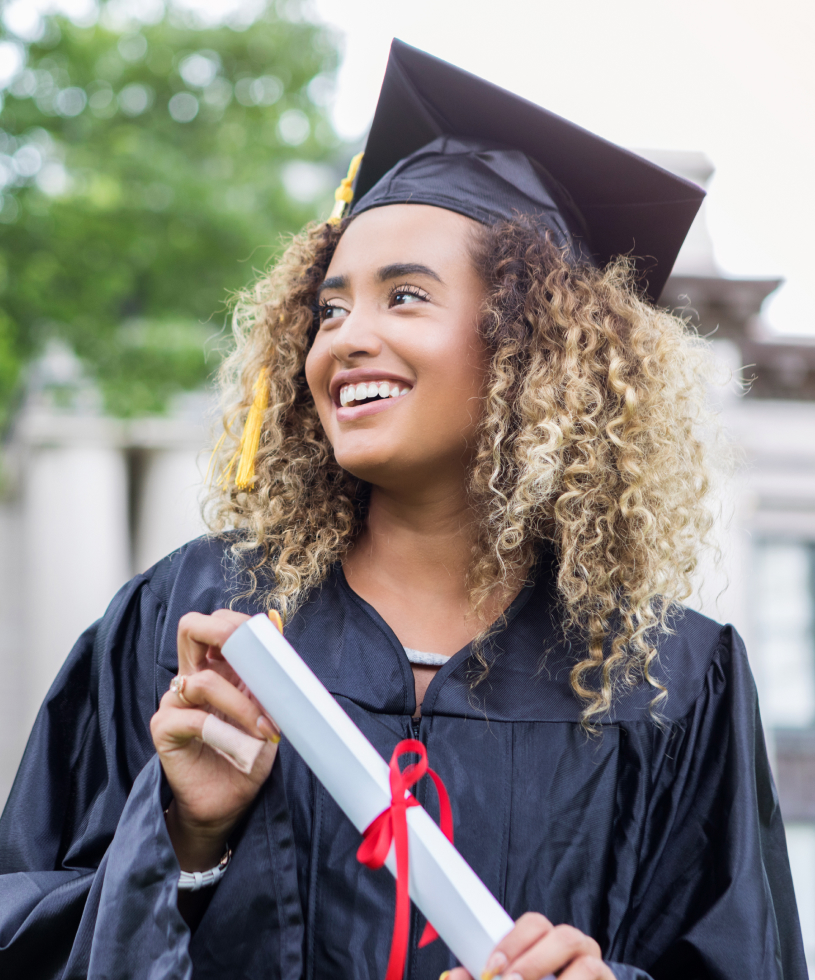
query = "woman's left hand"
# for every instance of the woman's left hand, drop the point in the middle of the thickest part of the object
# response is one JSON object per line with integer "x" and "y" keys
{"x": 536, "y": 949}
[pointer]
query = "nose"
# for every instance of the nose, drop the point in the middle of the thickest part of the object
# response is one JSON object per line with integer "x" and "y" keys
{"x": 355, "y": 338}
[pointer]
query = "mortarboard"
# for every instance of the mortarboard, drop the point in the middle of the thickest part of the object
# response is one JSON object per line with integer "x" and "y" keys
{"x": 445, "y": 137}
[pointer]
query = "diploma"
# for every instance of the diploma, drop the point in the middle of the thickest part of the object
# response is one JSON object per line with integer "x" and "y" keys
{"x": 444, "y": 887}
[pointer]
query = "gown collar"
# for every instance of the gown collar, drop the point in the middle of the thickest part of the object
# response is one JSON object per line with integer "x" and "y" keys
{"x": 499, "y": 637}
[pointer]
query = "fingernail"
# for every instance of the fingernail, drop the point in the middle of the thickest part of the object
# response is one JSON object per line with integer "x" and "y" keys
{"x": 513, "y": 976}
{"x": 495, "y": 964}
{"x": 268, "y": 730}
{"x": 274, "y": 616}
{"x": 445, "y": 975}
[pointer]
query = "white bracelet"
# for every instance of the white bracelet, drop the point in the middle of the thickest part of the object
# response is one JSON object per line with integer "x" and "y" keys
{"x": 193, "y": 881}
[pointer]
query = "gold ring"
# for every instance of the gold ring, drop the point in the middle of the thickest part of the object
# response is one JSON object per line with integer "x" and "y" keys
{"x": 177, "y": 687}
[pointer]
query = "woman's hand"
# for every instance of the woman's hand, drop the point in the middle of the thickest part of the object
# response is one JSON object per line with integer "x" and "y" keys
{"x": 536, "y": 949}
{"x": 209, "y": 793}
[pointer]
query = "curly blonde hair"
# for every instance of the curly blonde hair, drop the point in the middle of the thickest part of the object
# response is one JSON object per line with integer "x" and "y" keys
{"x": 591, "y": 440}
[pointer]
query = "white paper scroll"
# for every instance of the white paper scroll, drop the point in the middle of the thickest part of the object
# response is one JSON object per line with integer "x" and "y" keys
{"x": 445, "y": 888}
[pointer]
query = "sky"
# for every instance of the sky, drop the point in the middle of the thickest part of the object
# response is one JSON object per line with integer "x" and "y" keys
{"x": 734, "y": 79}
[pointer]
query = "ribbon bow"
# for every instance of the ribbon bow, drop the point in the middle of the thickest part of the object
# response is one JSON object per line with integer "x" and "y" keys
{"x": 391, "y": 825}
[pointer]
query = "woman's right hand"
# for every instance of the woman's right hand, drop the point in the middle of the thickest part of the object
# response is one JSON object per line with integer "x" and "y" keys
{"x": 209, "y": 793}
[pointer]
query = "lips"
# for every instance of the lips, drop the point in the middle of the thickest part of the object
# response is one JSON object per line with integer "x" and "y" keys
{"x": 361, "y": 385}
{"x": 354, "y": 411}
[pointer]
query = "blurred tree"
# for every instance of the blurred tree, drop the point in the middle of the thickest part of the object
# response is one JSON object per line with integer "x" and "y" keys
{"x": 145, "y": 174}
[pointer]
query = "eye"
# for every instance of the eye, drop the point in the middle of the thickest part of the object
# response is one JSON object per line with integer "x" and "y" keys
{"x": 329, "y": 311}
{"x": 406, "y": 295}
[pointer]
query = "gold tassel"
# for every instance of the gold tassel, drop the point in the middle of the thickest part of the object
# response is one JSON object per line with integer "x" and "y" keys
{"x": 344, "y": 194}
{"x": 250, "y": 438}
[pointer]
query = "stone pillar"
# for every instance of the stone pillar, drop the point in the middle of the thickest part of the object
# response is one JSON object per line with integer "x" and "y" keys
{"x": 167, "y": 512}
{"x": 75, "y": 549}
{"x": 14, "y": 716}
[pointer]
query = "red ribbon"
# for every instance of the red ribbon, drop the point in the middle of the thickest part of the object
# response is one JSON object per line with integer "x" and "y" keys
{"x": 391, "y": 825}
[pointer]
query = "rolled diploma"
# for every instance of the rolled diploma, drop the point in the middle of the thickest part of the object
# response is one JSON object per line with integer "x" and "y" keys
{"x": 445, "y": 888}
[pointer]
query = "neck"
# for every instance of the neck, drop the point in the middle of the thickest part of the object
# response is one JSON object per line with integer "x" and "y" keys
{"x": 430, "y": 533}
{"x": 411, "y": 562}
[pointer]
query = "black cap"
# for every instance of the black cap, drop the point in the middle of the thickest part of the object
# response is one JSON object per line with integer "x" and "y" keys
{"x": 444, "y": 137}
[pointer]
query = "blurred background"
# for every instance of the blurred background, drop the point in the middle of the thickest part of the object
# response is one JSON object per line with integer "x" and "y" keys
{"x": 153, "y": 157}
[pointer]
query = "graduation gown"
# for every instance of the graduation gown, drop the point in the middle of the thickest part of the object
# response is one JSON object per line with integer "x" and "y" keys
{"x": 663, "y": 843}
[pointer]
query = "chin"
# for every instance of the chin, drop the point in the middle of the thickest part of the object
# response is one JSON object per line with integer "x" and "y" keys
{"x": 378, "y": 465}
{"x": 369, "y": 469}
{"x": 353, "y": 454}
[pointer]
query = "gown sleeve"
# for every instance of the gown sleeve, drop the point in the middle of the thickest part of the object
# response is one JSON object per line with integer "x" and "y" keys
{"x": 89, "y": 743}
{"x": 713, "y": 897}
{"x": 88, "y": 874}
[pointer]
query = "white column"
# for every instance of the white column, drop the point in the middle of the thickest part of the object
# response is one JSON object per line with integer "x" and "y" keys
{"x": 14, "y": 713}
{"x": 167, "y": 508}
{"x": 801, "y": 845}
{"x": 75, "y": 550}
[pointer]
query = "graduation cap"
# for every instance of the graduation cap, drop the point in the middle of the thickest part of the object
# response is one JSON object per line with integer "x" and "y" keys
{"x": 444, "y": 137}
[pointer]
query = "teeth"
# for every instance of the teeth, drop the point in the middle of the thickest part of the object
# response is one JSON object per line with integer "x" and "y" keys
{"x": 372, "y": 389}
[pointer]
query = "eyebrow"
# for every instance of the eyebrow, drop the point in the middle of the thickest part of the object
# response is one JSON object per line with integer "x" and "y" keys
{"x": 394, "y": 271}
{"x": 399, "y": 269}
{"x": 334, "y": 282}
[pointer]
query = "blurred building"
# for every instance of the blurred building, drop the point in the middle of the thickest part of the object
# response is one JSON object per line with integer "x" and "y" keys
{"x": 89, "y": 501}
{"x": 766, "y": 585}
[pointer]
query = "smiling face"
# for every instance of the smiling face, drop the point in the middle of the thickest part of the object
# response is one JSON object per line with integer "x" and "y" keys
{"x": 397, "y": 367}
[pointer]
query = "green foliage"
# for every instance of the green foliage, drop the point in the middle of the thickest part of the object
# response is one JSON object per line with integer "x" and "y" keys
{"x": 145, "y": 183}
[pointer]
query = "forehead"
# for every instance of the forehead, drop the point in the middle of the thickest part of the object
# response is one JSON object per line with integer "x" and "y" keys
{"x": 405, "y": 233}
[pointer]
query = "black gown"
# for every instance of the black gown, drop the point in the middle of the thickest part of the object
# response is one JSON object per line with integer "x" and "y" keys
{"x": 665, "y": 844}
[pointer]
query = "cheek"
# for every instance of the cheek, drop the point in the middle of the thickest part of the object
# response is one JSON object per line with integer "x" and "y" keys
{"x": 463, "y": 362}
{"x": 454, "y": 377}
{"x": 318, "y": 362}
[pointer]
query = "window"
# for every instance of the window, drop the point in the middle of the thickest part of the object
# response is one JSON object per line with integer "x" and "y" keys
{"x": 784, "y": 609}
{"x": 783, "y": 592}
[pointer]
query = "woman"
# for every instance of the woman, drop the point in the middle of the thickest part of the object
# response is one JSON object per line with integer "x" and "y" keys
{"x": 471, "y": 480}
